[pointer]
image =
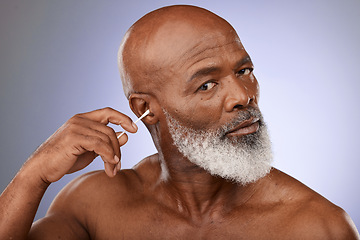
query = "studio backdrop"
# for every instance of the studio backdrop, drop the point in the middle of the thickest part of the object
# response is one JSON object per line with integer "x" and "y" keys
{"x": 58, "y": 58}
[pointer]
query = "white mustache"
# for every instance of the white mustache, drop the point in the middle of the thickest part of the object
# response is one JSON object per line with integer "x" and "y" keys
{"x": 242, "y": 116}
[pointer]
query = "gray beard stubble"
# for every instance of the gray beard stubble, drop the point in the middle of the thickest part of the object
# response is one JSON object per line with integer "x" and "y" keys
{"x": 243, "y": 160}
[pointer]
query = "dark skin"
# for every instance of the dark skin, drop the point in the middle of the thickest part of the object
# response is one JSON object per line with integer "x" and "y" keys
{"x": 203, "y": 80}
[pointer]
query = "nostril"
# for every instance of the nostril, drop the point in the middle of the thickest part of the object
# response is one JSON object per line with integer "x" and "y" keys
{"x": 238, "y": 106}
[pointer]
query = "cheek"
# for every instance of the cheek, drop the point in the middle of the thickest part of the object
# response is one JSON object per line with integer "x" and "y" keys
{"x": 200, "y": 113}
{"x": 195, "y": 111}
{"x": 256, "y": 91}
{"x": 254, "y": 88}
{"x": 257, "y": 94}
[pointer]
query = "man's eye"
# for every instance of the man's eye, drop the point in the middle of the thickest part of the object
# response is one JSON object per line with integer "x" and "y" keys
{"x": 245, "y": 71}
{"x": 207, "y": 86}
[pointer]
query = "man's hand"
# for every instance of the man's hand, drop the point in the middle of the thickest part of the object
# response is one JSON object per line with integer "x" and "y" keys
{"x": 69, "y": 149}
{"x": 81, "y": 139}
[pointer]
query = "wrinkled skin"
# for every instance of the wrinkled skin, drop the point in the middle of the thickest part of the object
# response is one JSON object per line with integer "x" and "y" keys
{"x": 191, "y": 63}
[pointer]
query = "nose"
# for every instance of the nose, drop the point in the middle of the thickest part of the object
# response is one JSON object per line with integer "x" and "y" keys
{"x": 239, "y": 94}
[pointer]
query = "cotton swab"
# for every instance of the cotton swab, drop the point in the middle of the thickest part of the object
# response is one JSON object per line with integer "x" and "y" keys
{"x": 142, "y": 116}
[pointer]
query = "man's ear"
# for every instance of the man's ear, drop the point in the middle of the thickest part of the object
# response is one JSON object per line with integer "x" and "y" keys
{"x": 140, "y": 102}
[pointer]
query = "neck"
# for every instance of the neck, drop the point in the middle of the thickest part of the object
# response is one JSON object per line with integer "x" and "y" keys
{"x": 197, "y": 193}
{"x": 192, "y": 190}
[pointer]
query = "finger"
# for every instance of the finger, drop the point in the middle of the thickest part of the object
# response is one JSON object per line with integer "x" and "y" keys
{"x": 108, "y": 134}
{"x": 89, "y": 127}
{"x": 107, "y": 115}
{"x": 110, "y": 169}
{"x": 99, "y": 146}
{"x": 118, "y": 166}
{"x": 83, "y": 160}
{"x": 123, "y": 139}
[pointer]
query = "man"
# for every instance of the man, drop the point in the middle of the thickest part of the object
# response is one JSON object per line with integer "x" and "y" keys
{"x": 212, "y": 175}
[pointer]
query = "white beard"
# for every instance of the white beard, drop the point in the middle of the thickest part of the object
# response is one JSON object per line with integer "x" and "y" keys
{"x": 242, "y": 160}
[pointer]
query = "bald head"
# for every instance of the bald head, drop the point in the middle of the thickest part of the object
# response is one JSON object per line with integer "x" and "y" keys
{"x": 162, "y": 39}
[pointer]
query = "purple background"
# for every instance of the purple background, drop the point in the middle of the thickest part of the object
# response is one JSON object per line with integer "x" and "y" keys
{"x": 58, "y": 58}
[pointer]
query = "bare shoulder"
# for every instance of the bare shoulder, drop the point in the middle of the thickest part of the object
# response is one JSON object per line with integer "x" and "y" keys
{"x": 95, "y": 187}
{"x": 308, "y": 214}
{"x": 77, "y": 204}
{"x": 90, "y": 201}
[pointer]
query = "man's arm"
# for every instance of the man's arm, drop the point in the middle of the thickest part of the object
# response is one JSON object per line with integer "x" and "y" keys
{"x": 323, "y": 220}
{"x": 347, "y": 228}
{"x": 65, "y": 217}
{"x": 69, "y": 149}
{"x": 19, "y": 203}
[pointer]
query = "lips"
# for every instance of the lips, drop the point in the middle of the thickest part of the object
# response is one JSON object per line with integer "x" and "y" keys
{"x": 244, "y": 128}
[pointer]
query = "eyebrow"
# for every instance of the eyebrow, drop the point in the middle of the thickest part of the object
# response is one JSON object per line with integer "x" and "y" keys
{"x": 207, "y": 70}
{"x": 243, "y": 61}
{"x": 203, "y": 72}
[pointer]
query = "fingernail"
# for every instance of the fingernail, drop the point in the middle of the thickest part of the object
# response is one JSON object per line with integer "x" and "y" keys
{"x": 115, "y": 170}
{"x": 134, "y": 125}
{"x": 116, "y": 158}
{"x": 118, "y": 166}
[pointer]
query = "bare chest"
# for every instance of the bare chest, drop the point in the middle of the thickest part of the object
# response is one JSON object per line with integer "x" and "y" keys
{"x": 160, "y": 223}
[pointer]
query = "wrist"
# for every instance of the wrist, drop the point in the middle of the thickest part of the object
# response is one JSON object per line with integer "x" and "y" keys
{"x": 29, "y": 174}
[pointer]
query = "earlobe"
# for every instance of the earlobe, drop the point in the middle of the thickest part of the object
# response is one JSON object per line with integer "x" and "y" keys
{"x": 140, "y": 102}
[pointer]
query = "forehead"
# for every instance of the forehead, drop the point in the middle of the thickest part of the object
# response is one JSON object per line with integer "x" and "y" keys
{"x": 214, "y": 52}
{"x": 181, "y": 45}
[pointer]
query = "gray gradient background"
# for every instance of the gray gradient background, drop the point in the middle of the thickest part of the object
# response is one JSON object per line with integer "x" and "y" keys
{"x": 58, "y": 58}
